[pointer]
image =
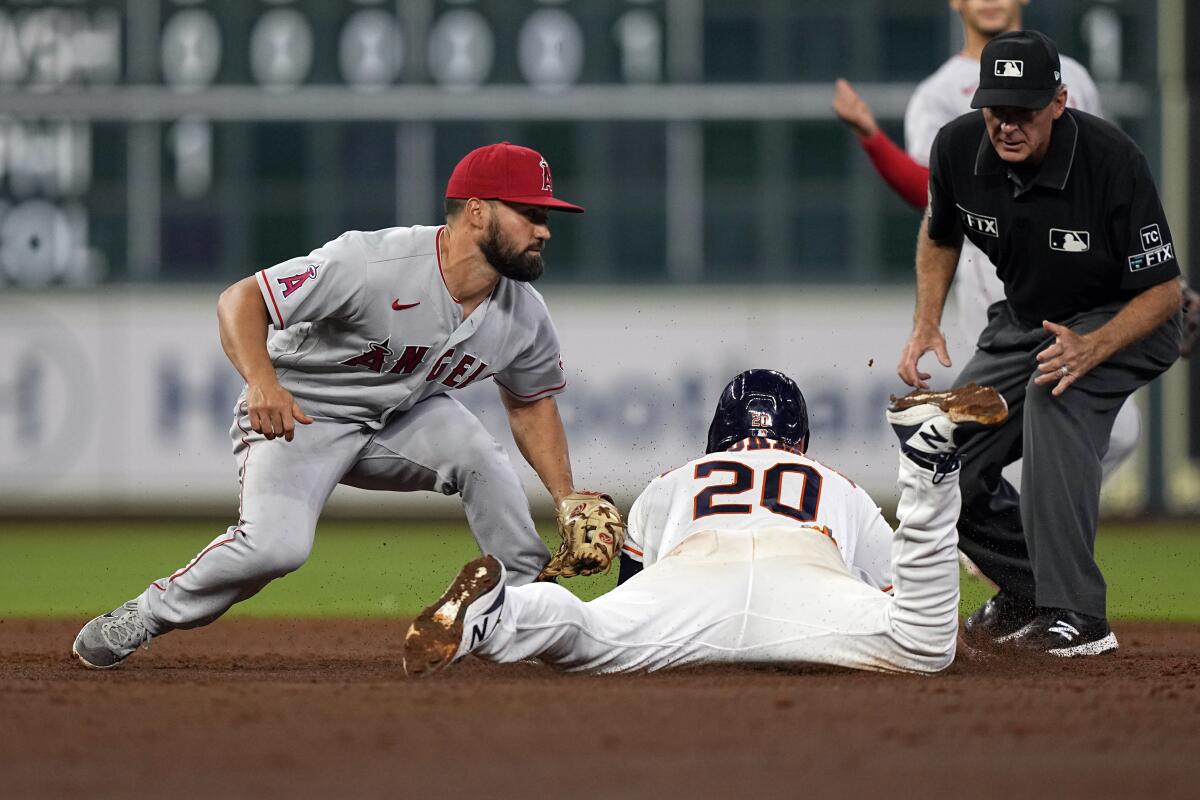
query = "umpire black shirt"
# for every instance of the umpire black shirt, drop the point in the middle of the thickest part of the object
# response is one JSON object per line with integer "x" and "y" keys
{"x": 1083, "y": 228}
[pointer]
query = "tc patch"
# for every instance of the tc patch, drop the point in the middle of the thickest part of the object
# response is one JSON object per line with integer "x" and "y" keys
{"x": 1155, "y": 250}
{"x": 980, "y": 223}
{"x": 1070, "y": 241}
{"x": 1007, "y": 68}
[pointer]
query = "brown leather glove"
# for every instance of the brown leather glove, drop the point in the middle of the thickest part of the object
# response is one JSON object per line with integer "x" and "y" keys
{"x": 592, "y": 532}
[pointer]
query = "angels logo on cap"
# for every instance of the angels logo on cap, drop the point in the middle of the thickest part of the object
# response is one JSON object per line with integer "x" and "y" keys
{"x": 506, "y": 172}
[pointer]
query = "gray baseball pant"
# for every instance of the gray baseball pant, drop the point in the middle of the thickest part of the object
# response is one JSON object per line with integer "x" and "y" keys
{"x": 438, "y": 445}
{"x": 1040, "y": 545}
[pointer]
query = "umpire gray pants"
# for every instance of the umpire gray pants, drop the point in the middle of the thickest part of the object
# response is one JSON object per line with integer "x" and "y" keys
{"x": 438, "y": 445}
{"x": 1040, "y": 545}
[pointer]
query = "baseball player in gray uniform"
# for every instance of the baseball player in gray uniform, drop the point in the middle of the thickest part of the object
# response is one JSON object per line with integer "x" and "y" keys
{"x": 372, "y": 332}
{"x": 752, "y": 553}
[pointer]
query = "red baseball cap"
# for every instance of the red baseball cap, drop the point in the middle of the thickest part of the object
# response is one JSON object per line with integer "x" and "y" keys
{"x": 507, "y": 172}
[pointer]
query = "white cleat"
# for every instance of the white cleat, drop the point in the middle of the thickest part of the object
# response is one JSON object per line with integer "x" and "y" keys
{"x": 927, "y": 421}
{"x": 463, "y": 618}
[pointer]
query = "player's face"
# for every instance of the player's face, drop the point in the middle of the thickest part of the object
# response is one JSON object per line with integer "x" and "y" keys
{"x": 514, "y": 241}
{"x": 990, "y": 17}
{"x": 1022, "y": 135}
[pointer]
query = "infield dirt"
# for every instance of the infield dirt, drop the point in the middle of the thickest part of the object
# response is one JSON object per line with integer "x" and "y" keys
{"x": 298, "y": 709}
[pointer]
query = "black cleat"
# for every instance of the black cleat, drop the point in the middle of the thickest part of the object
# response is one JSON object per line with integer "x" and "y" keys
{"x": 999, "y": 619}
{"x": 1064, "y": 633}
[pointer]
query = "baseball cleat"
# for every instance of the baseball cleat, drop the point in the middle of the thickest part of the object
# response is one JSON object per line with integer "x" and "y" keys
{"x": 999, "y": 619}
{"x": 111, "y": 638}
{"x": 463, "y": 618}
{"x": 1066, "y": 634}
{"x": 928, "y": 423}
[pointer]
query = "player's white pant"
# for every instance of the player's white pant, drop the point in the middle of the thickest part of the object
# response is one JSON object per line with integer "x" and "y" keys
{"x": 438, "y": 445}
{"x": 777, "y": 595}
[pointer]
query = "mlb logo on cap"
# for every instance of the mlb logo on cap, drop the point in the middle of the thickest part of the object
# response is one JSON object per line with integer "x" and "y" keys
{"x": 1010, "y": 69}
{"x": 1018, "y": 69}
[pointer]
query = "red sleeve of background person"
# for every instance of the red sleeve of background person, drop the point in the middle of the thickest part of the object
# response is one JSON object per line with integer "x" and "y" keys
{"x": 908, "y": 178}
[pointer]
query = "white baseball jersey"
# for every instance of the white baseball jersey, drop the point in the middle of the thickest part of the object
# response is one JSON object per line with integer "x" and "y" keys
{"x": 759, "y": 555}
{"x": 943, "y": 96}
{"x": 761, "y": 483}
{"x": 366, "y": 327}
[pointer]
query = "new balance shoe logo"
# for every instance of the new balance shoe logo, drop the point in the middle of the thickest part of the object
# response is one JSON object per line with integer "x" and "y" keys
{"x": 1064, "y": 629}
{"x": 478, "y": 633}
{"x": 933, "y": 438}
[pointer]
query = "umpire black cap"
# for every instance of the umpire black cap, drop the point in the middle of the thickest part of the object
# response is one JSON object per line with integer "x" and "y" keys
{"x": 1019, "y": 69}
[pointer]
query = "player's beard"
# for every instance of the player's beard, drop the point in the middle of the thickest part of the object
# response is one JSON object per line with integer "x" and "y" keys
{"x": 508, "y": 260}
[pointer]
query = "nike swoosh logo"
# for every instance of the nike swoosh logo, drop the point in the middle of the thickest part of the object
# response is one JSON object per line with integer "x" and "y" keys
{"x": 398, "y": 306}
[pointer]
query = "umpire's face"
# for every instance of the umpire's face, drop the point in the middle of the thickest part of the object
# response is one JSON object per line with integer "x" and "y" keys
{"x": 1022, "y": 135}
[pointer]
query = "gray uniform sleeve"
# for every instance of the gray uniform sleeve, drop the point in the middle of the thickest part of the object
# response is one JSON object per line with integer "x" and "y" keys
{"x": 944, "y": 225}
{"x": 537, "y": 371}
{"x": 327, "y": 283}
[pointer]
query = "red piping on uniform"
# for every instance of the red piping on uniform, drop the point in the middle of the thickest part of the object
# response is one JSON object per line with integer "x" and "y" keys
{"x": 271, "y": 294}
{"x": 437, "y": 248}
{"x": 632, "y": 550}
{"x": 530, "y": 396}
{"x": 205, "y": 551}
{"x": 237, "y": 420}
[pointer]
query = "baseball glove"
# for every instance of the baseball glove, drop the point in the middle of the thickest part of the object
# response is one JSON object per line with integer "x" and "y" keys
{"x": 592, "y": 533}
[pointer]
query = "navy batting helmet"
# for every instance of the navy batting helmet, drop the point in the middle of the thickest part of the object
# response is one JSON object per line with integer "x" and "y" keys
{"x": 759, "y": 402}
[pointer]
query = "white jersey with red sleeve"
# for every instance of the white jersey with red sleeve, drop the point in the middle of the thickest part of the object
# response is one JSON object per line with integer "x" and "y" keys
{"x": 761, "y": 483}
{"x": 366, "y": 327}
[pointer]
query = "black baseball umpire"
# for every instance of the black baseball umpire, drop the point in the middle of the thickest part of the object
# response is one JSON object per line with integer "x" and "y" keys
{"x": 1064, "y": 205}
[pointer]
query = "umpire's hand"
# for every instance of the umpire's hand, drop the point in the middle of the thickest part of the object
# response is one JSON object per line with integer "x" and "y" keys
{"x": 273, "y": 411}
{"x": 923, "y": 339}
{"x": 1067, "y": 360}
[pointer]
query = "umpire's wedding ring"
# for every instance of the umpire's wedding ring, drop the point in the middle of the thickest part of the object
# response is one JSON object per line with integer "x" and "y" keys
{"x": 1064, "y": 371}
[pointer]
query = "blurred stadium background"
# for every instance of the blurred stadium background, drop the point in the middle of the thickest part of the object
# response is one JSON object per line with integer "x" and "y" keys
{"x": 154, "y": 151}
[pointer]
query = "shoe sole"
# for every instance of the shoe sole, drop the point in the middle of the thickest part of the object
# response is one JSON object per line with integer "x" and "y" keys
{"x": 1105, "y": 645}
{"x": 1008, "y": 637}
{"x": 89, "y": 664}
{"x": 970, "y": 403}
{"x": 434, "y": 636}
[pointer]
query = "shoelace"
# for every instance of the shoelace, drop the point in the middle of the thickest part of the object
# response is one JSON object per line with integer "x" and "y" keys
{"x": 126, "y": 631}
{"x": 943, "y": 467}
